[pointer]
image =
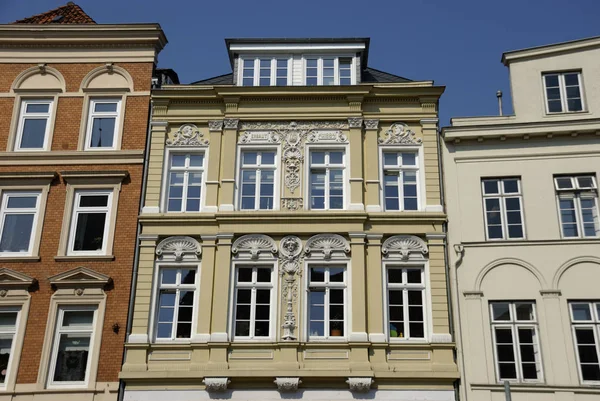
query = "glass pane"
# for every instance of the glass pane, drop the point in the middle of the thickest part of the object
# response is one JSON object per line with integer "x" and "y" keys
{"x": 413, "y": 275}
{"x": 317, "y": 274}
{"x": 242, "y": 328}
{"x": 515, "y": 231}
{"x": 312, "y": 62}
{"x": 585, "y": 182}
{"x": 336, "y": 296}
{"x": 178, "y": 160}
{"x": 261, "y": 328}
{"x": 248, "y": 82}
{"x": 169, "y": 276}
{"x": 564, "y": 182}
{"x": 394, "y": 276}
{"x": 409, "y": 159}
{"x": 8, "y": 320}
{"x": 263, "y": 275}
{"x": 416, "y": 330}
{"x": 551, "y": 80}
{"x": 317, "y": 157}
{"x": 78, "y": 319}
{"x": 390, "y": 159}
{"x": 282, "y": 63}
{"x": 311, "y": 81}
{"x": 508, "y": 371}
{"x": 572, "y": 79}
{"x": 89, "y": 232}
{"x": 553, "y": 94}
{"x": 590, "y": 372}
{"x": 267, "y": 158}
{"x": 415, "y": 297}
{"x": 242, "y": 312}
{"x": 93, "y": 200}
{"x": 37, "y": 108}
{"x": 105, "y": 107}
{"x": 71, "y": 358}
{"x": 184, "y": 330}
{"x": 164, "y": 330}
{"x": 554, "y": 106}
{"x": 16, "y": 233}
{"x": 573, "y": 92}
{"x": 249, "y": 157}
{"x": 585, "y": 336}
{"x": 21, "y": 202}
{"x": 263, "y": 296}
{"x": 249, "y": 63}
{"x": 103, "y": 131}
{"x": 244, "y": 274}
{"x": 192, "y": 205}
{"x": 336, "y": 157}
{"x": 581, "y": 312}
{"x": 34, "y": 132}
{"x": 5, "y": 350}
{"x": 511, "y": 186}
{"x": 524, "y": 311}
{"x": 336, "y": 275}
{"x": 415, "y": 314}
{"x": 174, "y": 205}
{"x": 188, "y": 276}
{"x": 317, "y": 328}
{"x": 244, "y": 296}
{"x": 490, "y": 187}
{"x": 574, "y": 105}
{"x": 500, "y": 311}
{"x": 395, "y": 297}
{"x": 196, "y": 160}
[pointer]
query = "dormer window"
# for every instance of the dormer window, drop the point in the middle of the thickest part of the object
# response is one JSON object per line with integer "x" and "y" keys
{"x": 264, "y": 71}
{"x": 328, "y": 70}
{"x": 563, "y": 92}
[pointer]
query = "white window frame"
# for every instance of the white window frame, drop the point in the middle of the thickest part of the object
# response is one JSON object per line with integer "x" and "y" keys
{"x": 76, "y": 209}
{"x": 56, "y": 341}
{"x": 240, "y": 167}
{"x": 256, "y": 68}
{"x": 14, "y": 333}
{"x": 186, "y": 170}
{"x": 23, "y": 115}
{"x": 563, "y": 92}
{"x": 575, "y": 193}
{"x": 418, "y": 167}
{"x": 326, "y": 166}
{"x": 423, "y": 286}
{"x": 327, "y": 285}
{"x": 178, "y": 286}
{"x": 253, "y": 286}
{"x": 503, "y": 212}
{"x": 336, "y": 67}
{"x": 90, "y": 119}
{"x": 593, "y": 324}
{"x": 5, "y": 195}
{"x": 513, "y": 324}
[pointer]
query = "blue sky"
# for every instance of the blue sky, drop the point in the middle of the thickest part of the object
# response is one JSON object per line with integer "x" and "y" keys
{"x": 455, "y": 43}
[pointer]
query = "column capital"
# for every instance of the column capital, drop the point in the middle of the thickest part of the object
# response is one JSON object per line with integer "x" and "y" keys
{"x": 371, "y": 124}
{"x": 215, "y": 125}
{"x": 355, "y": 122}
{"x": 231, "y": 123}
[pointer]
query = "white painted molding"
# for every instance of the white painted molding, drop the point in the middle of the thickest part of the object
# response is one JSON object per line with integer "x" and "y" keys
{"x": 188, "y": 135}
{"x": 150, "y": 209}
{"x": 138, "y": 339}
{"x": 218, "y": 337}
{"x": 253, "y": 245}
{"x": 226, "y": 207}
{"x": 179, "y": 248}
{"x": 216, "y": 384}
{"x": 358, "y": 337}
{"x": 327, "y": 245}
{"x": 211, "y": 209}
{"x": 201, "y": 338}
{"x": 434, "y": 208}
{"x": 154, "y": 123}
{"x": 287, "y": 384}
{"x": 359, "y": 384}
{"x": 429, "y": 121}
{"x": 373, "y": 208}
{"x": 441, "y": 338}
{"x": 435, "y": 236}
{"x": 377, "y": 338}
{"x": 404, "y": 247}
{"x": 356, "y": 206}
{"x": 399, "y": 134}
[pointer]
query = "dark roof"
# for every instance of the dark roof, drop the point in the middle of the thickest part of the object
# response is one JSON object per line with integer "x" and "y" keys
{"x": 368, "y": 76}
{"x": 70, "y": 13}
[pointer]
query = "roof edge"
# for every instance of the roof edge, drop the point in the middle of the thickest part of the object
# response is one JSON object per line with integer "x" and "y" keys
{"x": 536, "y": 51}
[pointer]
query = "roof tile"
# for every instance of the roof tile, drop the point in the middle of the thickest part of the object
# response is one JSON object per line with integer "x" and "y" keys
{"x": 70, "y": 13}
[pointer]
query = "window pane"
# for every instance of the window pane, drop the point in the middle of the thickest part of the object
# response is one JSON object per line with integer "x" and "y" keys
{"x": 585, "y": 182}
{"x": 34, "y": 132}
{"x": 5, "y": 351}
{"x": 409, "y": 159}
{"x": 336, "y": 275}
{"x": 317, "y": 274}
{"x": 263, "y": 275}
{"x": 336, "y": 296}
{"x": 16, "y": 233}
{"x": 572, "y": 79}
{"x": 581, "y": 312}
{"x": 267, "y": 158}
{"x": 169, "y": 276}
{"x": 89, "y": 232}
{"x": 511, "y": 186}
{"x": 78, "y": 319}
{"x": 242, "y": 328}
{"x": 248, "y": 82}
{"x": 245, "y": 274}
{"x": 336, "y": 157}
{"x": 390, "y": 159}
{"x": 554, "y": 106}
{"x": 93, "y": 200}
{"x": 103, "y": 130}
{"x": 37, "y": 108}
{"x": 551, "y": 80}
{"x": 413, "y": 276}
{"x": 317, "y": 157}
{"x": 263, "y": 296}
{"x": 178, "y": 160}
{"x": 500, "y": 311}
{"x": 396, "y": 297}
{"x": 71, "y": 358}
{"x": 417, "y": 330}
{"x": 105, "y": 107}
{"x": 8, "y": 320}
{"x": 490, "y": 187}
{"x": 508, "y": 371}
{"x": 188, "y": 276}
{"x": 394, "y": 276}
{"x": 574, "y": 104}
{"x": 196, "y": 160}
{"x": 564, "y": 182}
{"x": 524, "y": 311}
{"x": 244, "y": 296}
{"x": 590, "y": 372}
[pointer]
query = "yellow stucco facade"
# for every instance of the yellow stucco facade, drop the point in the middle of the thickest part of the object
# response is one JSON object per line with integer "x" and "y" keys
{"x": 362, "y": 238}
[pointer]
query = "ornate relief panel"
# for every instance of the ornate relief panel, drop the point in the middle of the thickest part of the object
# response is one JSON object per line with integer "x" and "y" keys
{"x": 188, "y": 135}
{"x": 179, "y": 248}
{"x": 399, "y": 134}
{"x": 290, "y": 269}
{"x": 404, "y": 247}
{"x": 252, "y": 246}
{"x": 327, "y": 246}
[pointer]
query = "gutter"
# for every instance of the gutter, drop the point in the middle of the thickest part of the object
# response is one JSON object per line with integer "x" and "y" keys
{"x": 136, "y": 256}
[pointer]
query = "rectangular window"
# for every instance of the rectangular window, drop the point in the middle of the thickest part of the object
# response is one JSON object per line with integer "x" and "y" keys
{"x": 328, "y": 71}
{"x": 90, "y": 222}
{"x": 253, "y": 299}
{"x": 503, "y": 208}
{"x": 563, "y": 92}
{"x": 516, "y": 341}
{"x": 265, "y": 71}
{"x": 8, "y": 330}
{"x": 585, "y": 320}
{"x": 70, "y": 361}
{"x": 19, "y": 215}
{"x": 327, "y": 179}
{"x": 257, "y": 180}
{"x": 406, "y": 303}
{"x": 103, "y": 123}
{"x": 578, "y": 204}
{"x": 176, "y": 292}
{"x": 400, "y": 180}
{"x": 326, "y": 302}
{"x": 34, "y": 125}
{"x": 185, "y": 182}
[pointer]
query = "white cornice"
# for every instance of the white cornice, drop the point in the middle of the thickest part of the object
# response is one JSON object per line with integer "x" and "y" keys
{"x": 297, "y": 47}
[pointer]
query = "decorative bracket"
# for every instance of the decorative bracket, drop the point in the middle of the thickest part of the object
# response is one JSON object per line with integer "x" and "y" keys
{"x": 216, "y": 384}
{"x": 287, "y": 384}
{"x": 360, "y": 384}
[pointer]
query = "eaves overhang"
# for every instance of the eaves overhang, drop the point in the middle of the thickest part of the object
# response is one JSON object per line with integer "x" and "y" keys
{"x": 546, "y": 50}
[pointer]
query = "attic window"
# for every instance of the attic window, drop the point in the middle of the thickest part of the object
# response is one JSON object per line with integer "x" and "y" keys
{"x": 57, "y": 19}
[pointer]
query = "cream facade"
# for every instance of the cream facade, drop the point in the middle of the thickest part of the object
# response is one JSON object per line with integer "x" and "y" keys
{"x": 292, "y": 234}
{"x": 521, "y": 196}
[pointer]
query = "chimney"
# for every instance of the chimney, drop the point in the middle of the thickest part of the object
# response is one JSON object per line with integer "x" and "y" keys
{"x": 499, "y": 96}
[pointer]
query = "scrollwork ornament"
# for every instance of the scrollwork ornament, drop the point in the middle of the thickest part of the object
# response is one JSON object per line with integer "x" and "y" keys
{"x": 371, "y": 124}
{"x": 231, "y": 123}
{"x": 402, "y": 246}
{"x": 355, "y": 122}
{"x": 292, "y": 203}
{"x": 287, "y": 384}
{"x": 216, "y": 384}
{"x": 290, "y": 256}
{"x": 359, "y": 384}
{"x": 215, "y": 125}
{"x": 179, "y": 246}
{"x": 254, "y": 244}
{"x": 399, "y": 134}
{"x": 188, "y": 135}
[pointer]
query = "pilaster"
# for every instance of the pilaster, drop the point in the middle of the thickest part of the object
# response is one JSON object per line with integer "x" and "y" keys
{"x": 558, "y": 373}
{"x": 228, "y": 164}
{"x": 143, "y": 295}
{"x": 222, "y": 269}
{"x": 429, "y": 130}
{"x": 371, "y": 167}
{"x": 436, "y": 243}
{"x": 207, "y": 274}
{"x": 213, "y": 171}
{"x": 158, "y": 136}
{"x": 356, "y": 163}
{"x": 374, "y": 299}
{"x": 358, "y": 331}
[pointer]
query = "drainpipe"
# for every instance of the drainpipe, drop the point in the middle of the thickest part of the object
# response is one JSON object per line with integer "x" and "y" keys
{"x": 460, "y": 251}
{"x": 136, "y": 256}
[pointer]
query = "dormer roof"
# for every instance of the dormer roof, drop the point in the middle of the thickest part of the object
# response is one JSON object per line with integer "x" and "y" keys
{"x": 70, "y": 13}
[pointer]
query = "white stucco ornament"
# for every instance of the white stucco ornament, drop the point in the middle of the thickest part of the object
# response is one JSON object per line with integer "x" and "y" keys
{"x": 403, "y": 246}
{"x": 360, "y": 384}
{"x": 177, "y": 247}
{"x": 399, "y": 134}
{"x": 254, "y": 244}
{"x": 216, "y": 384}
{"x": 287, "y": 384}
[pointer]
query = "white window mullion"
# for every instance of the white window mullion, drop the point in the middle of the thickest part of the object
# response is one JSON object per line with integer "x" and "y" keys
{"x": 517, "y": 351}
{"x": 257, "y": 188}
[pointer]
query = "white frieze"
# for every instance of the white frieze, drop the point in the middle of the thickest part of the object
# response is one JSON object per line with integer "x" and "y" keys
{"x": 399, "y": 134}
{"x": 327, "y": 244}
{"x": 178, "y": 247}
{"x": 253, "y": 245}
{"x": 250, "y": 137}
{"x": 188, "y": 135}
{"x": 403, "y": 246}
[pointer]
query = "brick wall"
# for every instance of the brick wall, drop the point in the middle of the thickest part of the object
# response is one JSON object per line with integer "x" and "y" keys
{"x": 66, "y": 135}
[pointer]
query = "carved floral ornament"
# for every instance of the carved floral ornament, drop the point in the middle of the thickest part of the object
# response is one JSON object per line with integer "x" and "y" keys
{"x": 216, "y": 384}
{"x": 290, "y": 257}
{"x": 359, "y": 384}
{"x": 399, "y": 134}
{"x": 287, "y": 384}
{"x": 178, "y": 248}
{"x": 404, "y": 247}
{"x": 254, "y": 245}
{"x": 328, "y": 245}
{"x": 188, "y": 135}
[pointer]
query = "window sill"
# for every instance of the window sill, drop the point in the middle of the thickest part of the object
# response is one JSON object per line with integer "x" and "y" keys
{"x": 16, "y": 258}
{"x": 567, "y": 113}
{"x": 67, "y": 258}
